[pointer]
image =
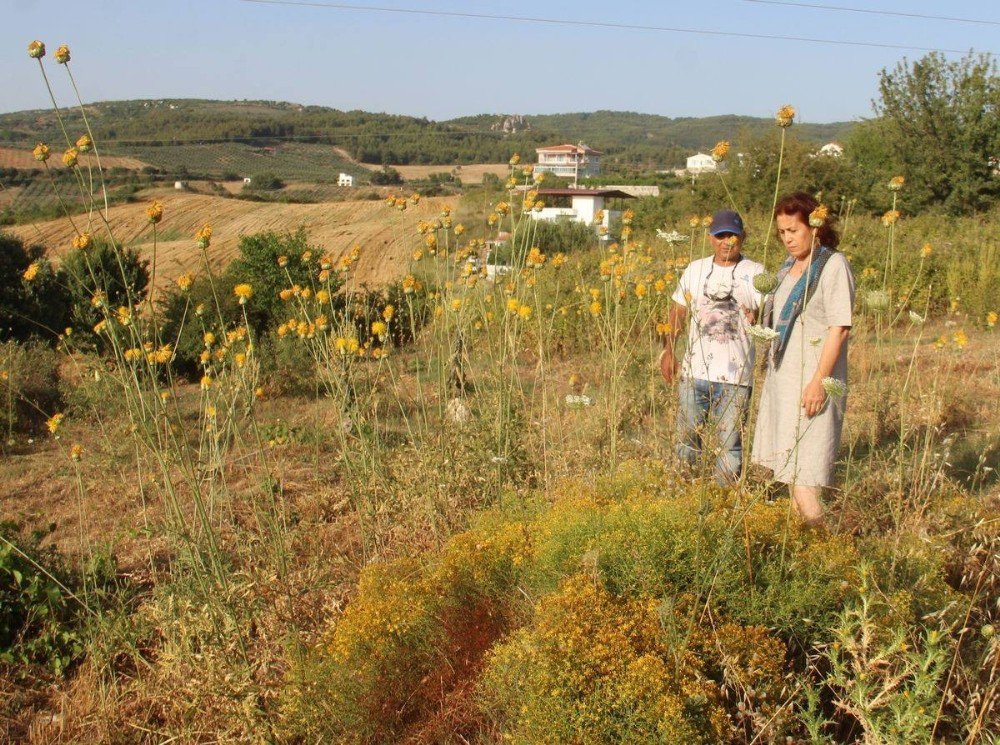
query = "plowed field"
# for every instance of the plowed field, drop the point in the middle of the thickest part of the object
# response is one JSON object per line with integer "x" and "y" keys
{"x": 387, "y": 236}
{"x": 15, "y": 158}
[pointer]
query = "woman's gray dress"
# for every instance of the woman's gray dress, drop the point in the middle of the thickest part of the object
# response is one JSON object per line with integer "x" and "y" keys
{"x": 799, "y": 449}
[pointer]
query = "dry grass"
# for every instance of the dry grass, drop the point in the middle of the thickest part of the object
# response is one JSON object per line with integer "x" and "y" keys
{"x": 16, "y": 158}
{"x": 386, "y": 235}
{"x": 470, "y": 174}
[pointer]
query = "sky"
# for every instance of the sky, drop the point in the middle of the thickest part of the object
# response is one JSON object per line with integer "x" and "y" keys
{"x": 442, "y": 67}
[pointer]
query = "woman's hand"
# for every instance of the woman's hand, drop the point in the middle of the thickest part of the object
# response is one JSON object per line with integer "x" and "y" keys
{"x": 813, "y": 398}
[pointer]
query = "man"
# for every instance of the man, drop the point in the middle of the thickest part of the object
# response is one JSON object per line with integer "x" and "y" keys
{"x": 717, "y": 297}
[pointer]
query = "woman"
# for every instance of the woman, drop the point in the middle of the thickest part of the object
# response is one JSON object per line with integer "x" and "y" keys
{"x": 798, "y": 427}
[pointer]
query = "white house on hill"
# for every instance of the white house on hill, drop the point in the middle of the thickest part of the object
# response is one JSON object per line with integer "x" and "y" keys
{"x": 572, "y": 161}
{"x": 701, "y": 163}
{"x": 345, "y": 179}
{"x": 584, "y": 205}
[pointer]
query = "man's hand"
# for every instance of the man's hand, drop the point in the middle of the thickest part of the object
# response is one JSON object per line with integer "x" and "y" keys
{"x": 668, "y": 366}
{"x": 813, "y": 398}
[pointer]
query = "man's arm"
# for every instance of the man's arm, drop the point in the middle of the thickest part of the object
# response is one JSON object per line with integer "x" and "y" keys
{"x": 668, "y": 357}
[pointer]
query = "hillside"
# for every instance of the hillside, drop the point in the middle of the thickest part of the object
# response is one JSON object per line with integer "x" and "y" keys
{"x": 335, "y": 226}
{"x": 172, "y": 133}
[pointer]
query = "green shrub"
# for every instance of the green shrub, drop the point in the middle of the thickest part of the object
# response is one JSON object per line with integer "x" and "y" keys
{"x": 29, "y": 386}
{"x": 38, "y": 307}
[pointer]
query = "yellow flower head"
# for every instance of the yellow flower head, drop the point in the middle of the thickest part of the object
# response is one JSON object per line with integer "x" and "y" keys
{"x": 785, "y": 116}
{"x": 595, "y": 308}
{"x": 124, "y": 315}
{"x": 415, "y": 198}
{"x": 32, "y": 271}
{"x": 706, "y": 221}
{"x": 388, "y": 312}
{"x": 69, "y": 157}
{"x": 154, "y": 212}
{"x": 204, "y": 236}
{"x": 62, "y": 54}
{"x": 185, "y": 281}
{"x": 513, "y": 305}
{"x": 282, "y": 261}
{"x": 409, "y": 284}
{"x": 206, "y": 382}
{"x": 322, "y": 297}
{"x": 82, "y": 241}
{"x": 53, "y": 422}
{"x": 209, "y": 338}
{"x": 524, "y": 312}
{"x": 514, "y": 159}
{"x": 960, "y": 339}
{"x": 926, "y": 250}
{"x": 720, "y": 151}
{"x": 819, "y": 216}
{"x": 558, "y": 260}
{"x": 535, "y": 258}
{"x": 991, "y": 319}
{"x": 379, "y": 329}
{"x": 243, "y": 292}
{"x": 896, "y": 183}
{"x": 459, "y": 229}
{"x": 890, "y": 217}
{"x": 641, "y": 290}
{"x": 41, "y": 152}
{"x": 36, "y": 50}
{"x": 133, "y": 355}
{"x": 84, "y": 144}
{"x": 76, "y": 452}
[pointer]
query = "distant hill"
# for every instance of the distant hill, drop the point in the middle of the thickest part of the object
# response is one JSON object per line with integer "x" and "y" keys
{"x": 213, "y": 138}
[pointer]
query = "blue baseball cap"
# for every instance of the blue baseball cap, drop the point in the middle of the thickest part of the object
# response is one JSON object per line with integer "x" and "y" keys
{"x": 726, "y": 221}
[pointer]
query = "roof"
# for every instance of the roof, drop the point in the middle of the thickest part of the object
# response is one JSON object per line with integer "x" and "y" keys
{"x": 569, "y": 149}
{"x": 609, "y": 193}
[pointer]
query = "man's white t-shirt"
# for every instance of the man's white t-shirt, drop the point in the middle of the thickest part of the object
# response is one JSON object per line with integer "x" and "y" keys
{"x": 719, "y": 348}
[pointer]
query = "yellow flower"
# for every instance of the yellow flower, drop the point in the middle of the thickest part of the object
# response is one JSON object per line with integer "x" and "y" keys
{"x": 185, "y": 281}
{"x": 535, "y": 258}
{"x": 660, "y": 286}
{"x": 41, "y": 152}
{"x": 896, "y": 183}
{"x": 286, "y": 294}
{"x": 415, "y": 198}
{"x": 282, "y": 261}
{"x": 306, "y": 257}
{"x": 641, "y": 290}
{"x": 960, "y": 339}
{"x": 514, "y": 159}
{"x": 53, "y": 422}
{"x": 204, "y": 236}
{"x": 244, "y": 292}
{"x": 163, "y": 354}
{"x": 321, "y": 323}
{"x": 69, "y": 157}
{"x": 387, "y": 313}
{"x": 379, "y": 329}
{"x": 926, "y": 250}
{"x": 124, "y": 315}
{"x": 322, "y": 297}
{"x": 209, "y": 338}
{"x": 409, "y": 284}
{"x": 991, "y": 319}
{"x": 818, "y": 217}
{"x": 154, "y": 212}
{"x": 76, "y": 452}
{"x": 459, "y": 229}
{"x": 706, "y": 221}
{"x": 785, "y": 116}
{"x": 558, "y": 260}
{"x": 100, "y": 326}
{"x": 206, "y": 382}
{"x": 82, "y": 241}
{"x": 240, "y": 359}
{"x": 259, "y": 392}
{"x": 663, "y": 328}
{"x": 595, "y": 308}
{"x": 32, "y": 271}
{"x": 62, "y": 54}
{"x": 890, "y": 217}
{"x": 36, "y": 50}
{"x": 97, "y": 299}
{"x": 456, "y": 304}
{"x": 524, "y": 312}
{"x": 720, "y": 151}
{"x": 133, "y": 355}
{"x": 513, "y": 305}
{"x": 84, "y": 144}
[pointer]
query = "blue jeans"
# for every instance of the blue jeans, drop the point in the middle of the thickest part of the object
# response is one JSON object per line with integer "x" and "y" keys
{"x": 717, "y": 407}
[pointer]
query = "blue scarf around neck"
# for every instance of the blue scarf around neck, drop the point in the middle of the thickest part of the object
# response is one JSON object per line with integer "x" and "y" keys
{"x": 803, "y": 290}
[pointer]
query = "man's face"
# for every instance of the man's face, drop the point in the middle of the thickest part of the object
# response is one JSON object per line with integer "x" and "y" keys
{"x": 726, "y": 246}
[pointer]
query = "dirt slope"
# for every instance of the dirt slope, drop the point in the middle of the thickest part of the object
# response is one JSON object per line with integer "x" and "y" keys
{"x": 386, "y": 235}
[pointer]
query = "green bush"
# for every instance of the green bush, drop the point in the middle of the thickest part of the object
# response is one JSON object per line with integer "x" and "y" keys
{"x": 29, "y": 386}
{"x": 38, "y": 307}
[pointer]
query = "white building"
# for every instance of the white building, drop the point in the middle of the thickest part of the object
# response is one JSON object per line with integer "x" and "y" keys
{"x": 345, "y": 179}
{"x": 572, "y": 161}
{"x": 832, "y": 149}
{"x": 583, "y": 205}
{"x": 701, "y": 163}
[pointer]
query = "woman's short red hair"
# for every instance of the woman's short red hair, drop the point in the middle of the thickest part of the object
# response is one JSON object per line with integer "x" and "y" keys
{"x": 801, "y": 204}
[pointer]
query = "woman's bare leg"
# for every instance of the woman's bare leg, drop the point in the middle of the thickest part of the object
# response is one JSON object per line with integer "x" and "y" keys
{"x": 806, "y": 499}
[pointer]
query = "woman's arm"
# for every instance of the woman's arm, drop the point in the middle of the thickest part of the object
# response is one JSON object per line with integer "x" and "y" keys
{"x": 814, "y": 396}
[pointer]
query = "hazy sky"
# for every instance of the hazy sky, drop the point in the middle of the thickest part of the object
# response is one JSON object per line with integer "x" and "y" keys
{"x": 442, "y": 67}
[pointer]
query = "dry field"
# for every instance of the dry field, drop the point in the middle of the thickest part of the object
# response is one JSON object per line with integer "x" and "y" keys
{"x": 17, "y": 158}
{"x": 386, "y": 235}
{"x": 470, "y": 174}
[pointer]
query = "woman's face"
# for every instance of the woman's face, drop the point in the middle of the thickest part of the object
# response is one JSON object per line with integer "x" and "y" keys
{"x": 796, "y": 235}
